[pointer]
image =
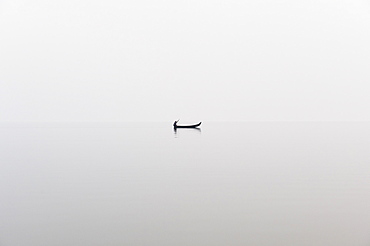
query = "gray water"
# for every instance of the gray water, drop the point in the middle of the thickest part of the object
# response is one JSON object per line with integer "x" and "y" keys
{"x": 258, "y": 183}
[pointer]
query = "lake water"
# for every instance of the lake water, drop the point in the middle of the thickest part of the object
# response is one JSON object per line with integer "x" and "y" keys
{"x": 256, "y": 183}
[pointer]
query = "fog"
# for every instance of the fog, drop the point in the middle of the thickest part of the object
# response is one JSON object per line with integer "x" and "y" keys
{"x": 196, "y": 60}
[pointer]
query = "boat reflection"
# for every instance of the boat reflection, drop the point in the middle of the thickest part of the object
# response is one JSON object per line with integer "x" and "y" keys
{"x": 194, "y": 130}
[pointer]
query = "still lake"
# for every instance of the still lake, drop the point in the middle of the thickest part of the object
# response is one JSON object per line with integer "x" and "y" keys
{"x": 138, "y": 184}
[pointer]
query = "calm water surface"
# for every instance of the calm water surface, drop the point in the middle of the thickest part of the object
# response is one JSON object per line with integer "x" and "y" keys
{"x": 260, "y": 183}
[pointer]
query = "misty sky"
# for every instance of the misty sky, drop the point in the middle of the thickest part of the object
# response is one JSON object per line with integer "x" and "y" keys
{"x": 196, "y": 60}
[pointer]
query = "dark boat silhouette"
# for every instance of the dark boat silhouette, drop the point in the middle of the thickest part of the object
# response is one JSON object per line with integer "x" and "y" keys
{"x": 185, "y": 126}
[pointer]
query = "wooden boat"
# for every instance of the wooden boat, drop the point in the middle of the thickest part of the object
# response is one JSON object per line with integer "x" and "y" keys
{"x": 186, "y": 126}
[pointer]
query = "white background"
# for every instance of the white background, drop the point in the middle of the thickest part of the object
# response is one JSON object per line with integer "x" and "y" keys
{"x": 195, "y": 60}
